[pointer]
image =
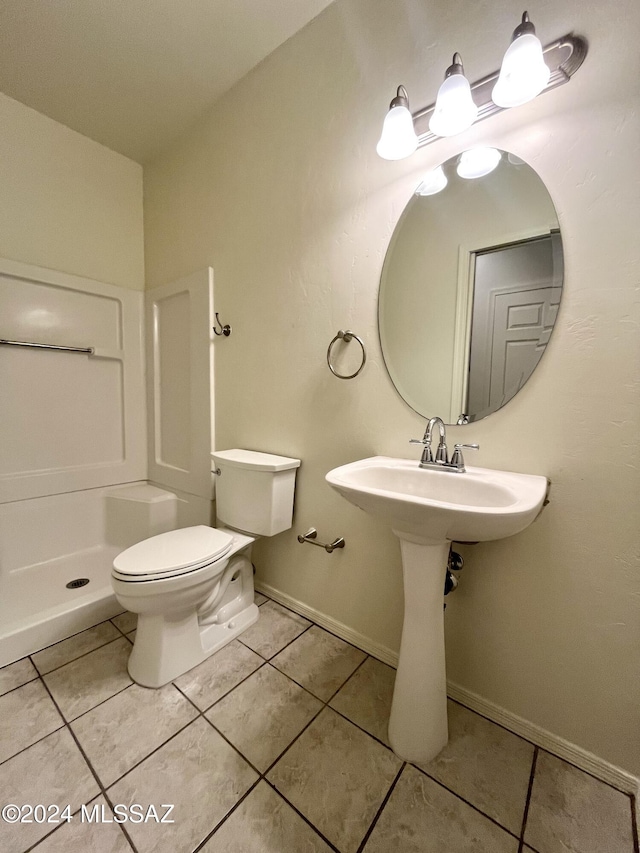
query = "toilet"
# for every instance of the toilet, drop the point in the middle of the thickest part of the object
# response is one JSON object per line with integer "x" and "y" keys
{"x": 192, "y": 588}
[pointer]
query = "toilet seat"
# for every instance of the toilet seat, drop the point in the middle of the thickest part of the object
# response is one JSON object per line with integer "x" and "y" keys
{"x": 172, "y": 554}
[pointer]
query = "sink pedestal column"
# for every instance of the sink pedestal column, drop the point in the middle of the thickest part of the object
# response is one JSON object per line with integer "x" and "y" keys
{"x": 418, "y": 722}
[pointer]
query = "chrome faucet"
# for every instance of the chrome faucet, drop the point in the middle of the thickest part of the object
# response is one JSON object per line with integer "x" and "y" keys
{"x": 442, "y": 454}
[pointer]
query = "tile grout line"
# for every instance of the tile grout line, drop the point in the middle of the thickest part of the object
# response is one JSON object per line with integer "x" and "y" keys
{"x": 79, "y": 657}
{"x": 325, "y": 702}
{"x": 634, "y": 823}
{"x": 25, "y": 748}
{"x": 124, "y": 633}
{"x": 528, "y": 800}
{"x": 261, "y": 775}
{"x": 55, "y": 829}
{"x": 297, "y": 637}
{"x": 225, "y": 817}
{"x": 459, "y": 797}
{"x": 307, "y": 689}
{"x": 364, "y": 731}
{"x": 102, "y": 702}
{"x": 297, "y": 737}
{"x": 301, "y": 815}
{"x": 384, "y": 802}
{"x": 75, "y": 634}
{"x": 91, "y": 767}
{"x": 153, "y": 751}
{"x": 224, "y": 695}
{"x": 31, "y": 655}
{"x": 348, "y": 678}
{"x": 24, "y": 684}
{"x": 218, "y": 732}
{"x": 40, "y": 739}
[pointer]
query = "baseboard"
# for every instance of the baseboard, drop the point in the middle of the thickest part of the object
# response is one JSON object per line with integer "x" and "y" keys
{"x": 587, "y": 761}
{"x": 376, "y": 650}
{"x": 609, "y": 773}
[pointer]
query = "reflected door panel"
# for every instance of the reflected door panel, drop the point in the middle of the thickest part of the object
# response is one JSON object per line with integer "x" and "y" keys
{"x": 515, "y": 306}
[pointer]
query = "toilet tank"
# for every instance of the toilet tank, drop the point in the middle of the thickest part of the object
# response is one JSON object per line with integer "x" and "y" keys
{"x": 254, "y": 491}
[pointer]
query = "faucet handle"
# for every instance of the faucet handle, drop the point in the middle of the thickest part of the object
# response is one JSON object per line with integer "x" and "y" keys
{"x": 427, "y": 455}
{"x": 457, "y": 459}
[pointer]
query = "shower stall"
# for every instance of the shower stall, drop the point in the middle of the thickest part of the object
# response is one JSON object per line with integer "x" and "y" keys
{"x": 74, "y": 467}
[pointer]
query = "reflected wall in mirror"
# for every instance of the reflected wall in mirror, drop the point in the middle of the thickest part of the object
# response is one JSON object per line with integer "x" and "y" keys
{"x": 470, "y": 289}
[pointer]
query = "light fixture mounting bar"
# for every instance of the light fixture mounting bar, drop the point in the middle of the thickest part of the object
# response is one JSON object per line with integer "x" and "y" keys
{"x": 563, "y": 56}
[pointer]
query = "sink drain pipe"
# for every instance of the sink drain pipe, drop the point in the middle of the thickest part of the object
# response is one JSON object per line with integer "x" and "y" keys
{"x": 451, "y": 581}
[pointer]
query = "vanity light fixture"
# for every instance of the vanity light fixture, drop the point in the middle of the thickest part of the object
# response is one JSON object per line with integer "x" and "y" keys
{"x": 523, "y": 74}
{"x": 478, "y": 162}
{"x": 403, "y": 131}
{"x": 433, "y": 182}
{"x": 455, "y": 110}
{"x": 398, "y": 139}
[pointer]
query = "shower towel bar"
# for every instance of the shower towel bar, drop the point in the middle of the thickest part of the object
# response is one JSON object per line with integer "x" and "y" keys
{"x": 88, "y": 350}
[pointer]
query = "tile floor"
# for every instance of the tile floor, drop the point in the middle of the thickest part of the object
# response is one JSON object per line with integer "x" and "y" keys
{"x": 276, "y": 744}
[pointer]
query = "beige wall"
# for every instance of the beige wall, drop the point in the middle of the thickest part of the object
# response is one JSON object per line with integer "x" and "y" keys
{"x": 68, "y": 203}
{"x": 281, "y": 191}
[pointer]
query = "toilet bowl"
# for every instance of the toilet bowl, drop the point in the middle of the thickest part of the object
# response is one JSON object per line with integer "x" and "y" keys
{"x": 192, "y": 588}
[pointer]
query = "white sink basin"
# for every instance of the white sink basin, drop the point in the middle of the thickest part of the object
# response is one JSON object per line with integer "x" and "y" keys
{"x": 475, "y": 506}
{"x": 428, "y": 509}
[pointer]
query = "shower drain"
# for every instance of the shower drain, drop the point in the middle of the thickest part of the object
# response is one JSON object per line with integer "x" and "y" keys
{"x": 77, "y": 583}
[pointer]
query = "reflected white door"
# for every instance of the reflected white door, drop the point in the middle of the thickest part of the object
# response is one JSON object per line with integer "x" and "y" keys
{"x": 522, "y": 323}
{"x": 515, "y": 306}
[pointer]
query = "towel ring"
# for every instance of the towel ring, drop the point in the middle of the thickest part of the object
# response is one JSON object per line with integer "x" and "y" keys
{"x": 345, "y": 336}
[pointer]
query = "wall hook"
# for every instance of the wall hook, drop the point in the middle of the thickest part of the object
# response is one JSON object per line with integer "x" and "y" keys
{"x": 224, "y": 330}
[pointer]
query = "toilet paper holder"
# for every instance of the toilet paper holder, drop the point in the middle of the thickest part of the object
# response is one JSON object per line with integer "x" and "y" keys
{"x": 312, "y": 534}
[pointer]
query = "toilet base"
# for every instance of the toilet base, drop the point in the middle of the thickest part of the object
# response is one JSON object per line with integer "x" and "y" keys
{"x": 168, "y": 644}
{"x": 167, "y": 648}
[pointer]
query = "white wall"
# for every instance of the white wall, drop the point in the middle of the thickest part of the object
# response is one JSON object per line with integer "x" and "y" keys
{"x": 68, "y": 203}
{"x": 280, "y": 190}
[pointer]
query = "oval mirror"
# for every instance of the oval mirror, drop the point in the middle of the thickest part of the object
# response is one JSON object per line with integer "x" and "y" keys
{"x": 470, "y": 286}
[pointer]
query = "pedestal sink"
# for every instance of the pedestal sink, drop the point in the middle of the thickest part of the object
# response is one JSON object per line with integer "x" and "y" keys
{"x": 427, "y": 509}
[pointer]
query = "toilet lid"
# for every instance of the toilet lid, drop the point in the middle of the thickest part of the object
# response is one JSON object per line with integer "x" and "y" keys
{"x": 174, "y": 551}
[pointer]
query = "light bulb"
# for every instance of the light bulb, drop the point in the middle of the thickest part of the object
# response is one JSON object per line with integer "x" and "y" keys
{"x": 433, "y": 182}
{"x": 398, "y": 138}
{"x": 455, "y": 110}
{"x": 478, "y": 162}
{"x": 523, "y": 74}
